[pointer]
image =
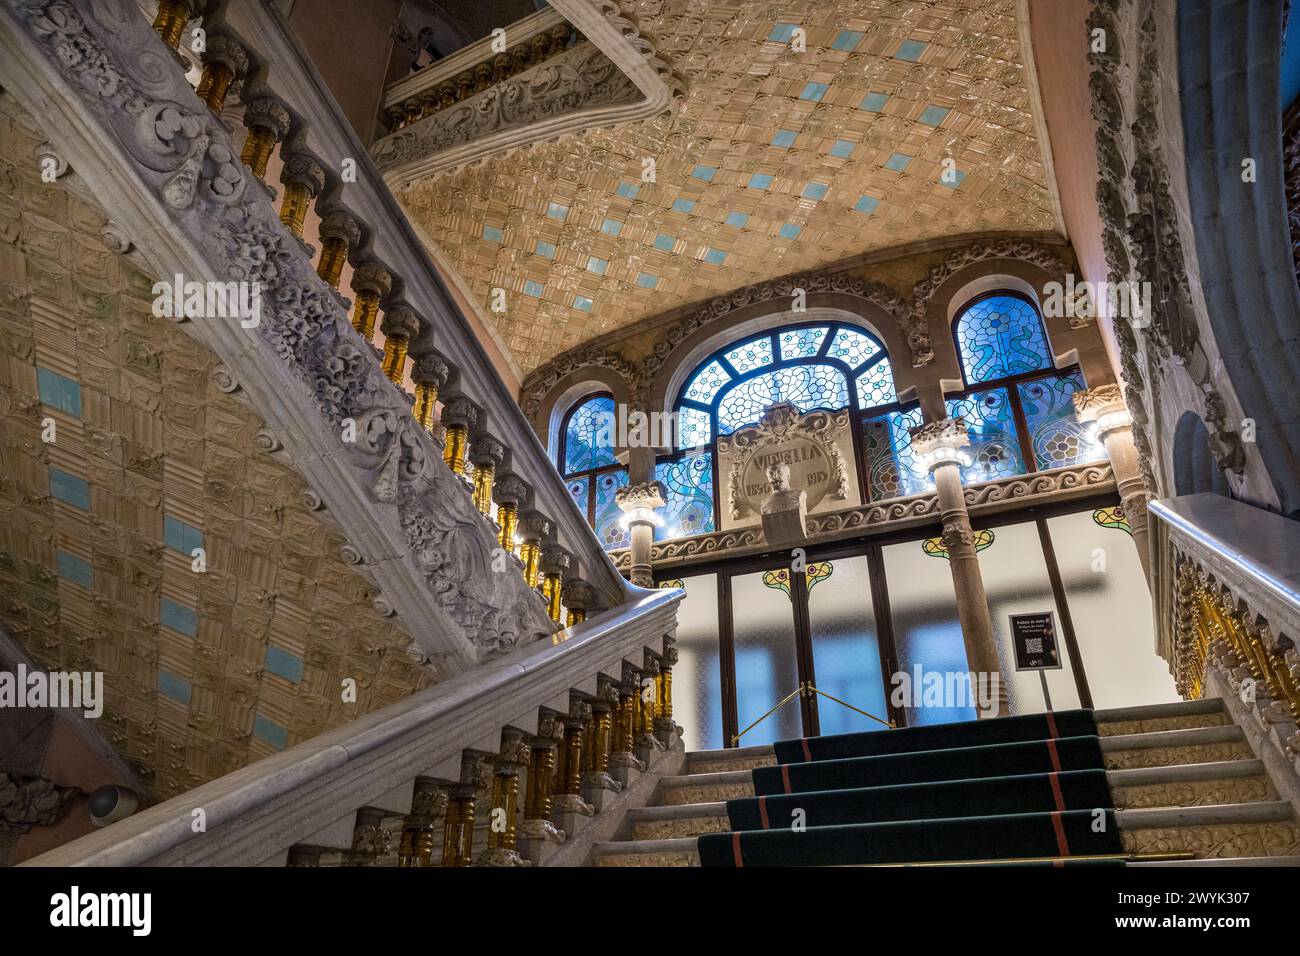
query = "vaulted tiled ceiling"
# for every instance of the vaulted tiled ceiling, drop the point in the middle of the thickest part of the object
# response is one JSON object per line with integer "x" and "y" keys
{"x": 775, "y": 162}
{"x": 120, "y": 453}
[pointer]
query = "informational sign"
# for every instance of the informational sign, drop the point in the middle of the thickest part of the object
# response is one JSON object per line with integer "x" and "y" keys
{"x": 1034, "y": 638}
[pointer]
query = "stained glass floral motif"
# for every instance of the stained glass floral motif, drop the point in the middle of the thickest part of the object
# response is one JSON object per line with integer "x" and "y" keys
{"x": 694, "y": 427}
{"x": 751, "y": 355}
{"x": 588, "y": 437}
{"x": 806, "y": 386}
{"x": 892, "y": 468}
{"x": 688, "y": 498}
{"x": 934, "y": 547}
{"x": 815, "y": 573}
{"x": 802, "y": 343}
{"x": 1001, "y": 335}
{"x": 1113, "y": 518}
{"x": 677, "y": 583}
{"x": 578, "y": 487}
{"x": 993, "y": 442}
{"x": 852, "y": 347}
{"x": 1059, "y": 439}
{"x": 608, "y": 514}
{"x": 876, "y": 386}
{"x": 706, "y": 383}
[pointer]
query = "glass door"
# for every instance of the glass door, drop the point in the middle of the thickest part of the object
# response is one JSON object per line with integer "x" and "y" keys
{"x": 846, "y": 649}
{"x": 766, "y": 650}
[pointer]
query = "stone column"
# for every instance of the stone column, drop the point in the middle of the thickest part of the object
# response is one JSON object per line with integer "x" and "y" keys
{"x": 430, "y": 374}
{"x": 510, "y": 492}
{"x": 1103, "y": 408}
{"x": 339, "y": 235}
{"x": 555, "y": 565}
{"x": 665, "y": 727}
{"x": 503, "y": 822}
{"x": 639, "y": 504}
{"x": 458, "y": 416}
{"x": 941, "y": 446}
{"x": 486, "y": 454}
{"x": 533, "y": 529}
{"x": 224, "y": 61}
{"x": 542, "y": 767}
{"x": 371, "y": 282}
{"x": 303, "y": 180}
{"x": 428, "y": 806}
{"x": 400, "y": 325}
{"x": 267, "y": 120}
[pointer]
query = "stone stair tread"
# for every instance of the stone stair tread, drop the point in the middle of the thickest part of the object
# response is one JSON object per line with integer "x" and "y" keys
{"x": 1184, "y": 772}
{"x": 1178, "y": 708}
{"x": 1192, "y": 737}
{"x": 1261, "y": 811}
{"x": 638, "y": 847}
{"x": 1225, "y": 861}
{"x": 682, "y": 811}
{"x": 716, "y": 777}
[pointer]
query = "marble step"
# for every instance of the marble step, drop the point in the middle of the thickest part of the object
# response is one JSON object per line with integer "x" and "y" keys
{"x": 1226, "y": 861}
{"x": 1182, "y": 785}
{"x": 705, "y": 787}
{"x": 1115, "y": 721}
{"x": 1265, "y": 829}
{"x": 1167, "y": 748}
{"x": 689, "y": 820}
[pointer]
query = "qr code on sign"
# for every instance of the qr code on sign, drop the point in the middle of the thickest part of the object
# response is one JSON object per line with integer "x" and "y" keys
{"x": 1034, "y": 645}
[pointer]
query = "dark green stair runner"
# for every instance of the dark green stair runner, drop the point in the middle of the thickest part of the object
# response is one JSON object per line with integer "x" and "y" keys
{"x": 1017, "y": 787}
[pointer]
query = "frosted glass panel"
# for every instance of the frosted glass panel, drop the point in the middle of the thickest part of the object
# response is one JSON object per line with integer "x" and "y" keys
{"x": 846, "y": 657}
{"x": 926, "y": 631}
{"x": 1016, "y": 581}
{"x": 1111, "y": 611}
{"x": 697, "y": 682}
{"x": 766, "y": 668}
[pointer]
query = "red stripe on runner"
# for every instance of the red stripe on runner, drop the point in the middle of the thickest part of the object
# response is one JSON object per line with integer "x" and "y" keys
{"x": 1062, "y": 844}
{"x": 1056, "y": 759}
{"x": 762, "y": 812}
{"x": 1051, "y": 724}
{"x": 785, "y": 777}
{"x": 735, "y": 850}
{"x": 807, "y": 754}
{"x": 1056, "y": 791}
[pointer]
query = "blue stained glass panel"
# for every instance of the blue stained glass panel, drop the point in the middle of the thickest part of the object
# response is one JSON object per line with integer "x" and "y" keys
{"x": 694, "y": 427}
{"x": 802, "y": 343}
{"x": 578, "y": 488}
{"x": 706, "y": 383}
{"x": 1058, "y": 438}
{"x": 589, "y": 436}
{"x": 688, "y": 498}
{"x": 999, "y": 336}
{"x": 876, "y": 386}
{"x": 994, "y": 445}
{"x": 608, "y": 514}
{"x": 892, "y": 468}
{"x": 751, "y": 355}
{"x": 852, "y": 347}
{"x": 805, "y": 386}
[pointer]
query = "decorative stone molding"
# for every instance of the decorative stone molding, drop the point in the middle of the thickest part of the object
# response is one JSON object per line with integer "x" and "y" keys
{"x": 225, "y": 51}
{"x": 617, "y": 78}
{"x": 340, "y": 224}
{"x": 400, "y": 319}
{"x": 846, "y": 283}
{"x": 371, "y": 276}
{"x": 942, "y": 441}
{"x": 539, "y": 383}
{"x": 485, "y": 451}
{"x": 647, "y": 495}
{"x": 782, "y": 422}
{"x": 887, "y": 516}
{"x": 303, "y": 170}
{"x": 26, "y": 802}
{"x": 300, "y": 366}
{"x": 1024, "y": 250}
{"x": 430, "y": 369}
{"x": 510, "y": 489}
{"x": 267, "y": 111}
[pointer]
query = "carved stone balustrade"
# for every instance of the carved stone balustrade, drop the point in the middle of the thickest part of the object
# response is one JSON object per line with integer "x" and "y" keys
{"x": 1226, "y": 585}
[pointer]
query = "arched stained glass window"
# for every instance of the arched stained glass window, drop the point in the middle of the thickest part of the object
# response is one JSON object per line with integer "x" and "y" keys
{"x": 828, "y": 366}
{"x": 588, "y": 435}
{"x": 999, "y": 336}
{"x": 587, "y": 459}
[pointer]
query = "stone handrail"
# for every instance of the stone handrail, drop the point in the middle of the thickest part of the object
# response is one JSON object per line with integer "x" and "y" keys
{"x": 253, "y": 816}
{"x": 1225, "y": 579}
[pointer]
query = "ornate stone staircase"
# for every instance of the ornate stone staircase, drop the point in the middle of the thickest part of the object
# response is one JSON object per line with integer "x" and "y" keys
{"x": 1185, "y": 784}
